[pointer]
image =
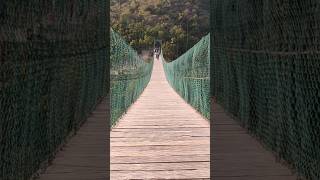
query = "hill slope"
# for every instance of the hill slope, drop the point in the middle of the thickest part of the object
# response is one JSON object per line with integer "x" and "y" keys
{"x": 179, "y": 24}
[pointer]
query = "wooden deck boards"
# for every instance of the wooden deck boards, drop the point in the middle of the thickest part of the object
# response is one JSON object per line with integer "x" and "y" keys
{"x": 238, "y": 156}
{"x": 160, "y": 137}
{"x": 84, "y": 157}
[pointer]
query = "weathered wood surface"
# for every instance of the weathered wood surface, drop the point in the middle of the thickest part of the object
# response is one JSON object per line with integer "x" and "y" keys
{"x": 85, "y": 156}
{"x": 238, "y": 156}
{"x": 160, "y": 137}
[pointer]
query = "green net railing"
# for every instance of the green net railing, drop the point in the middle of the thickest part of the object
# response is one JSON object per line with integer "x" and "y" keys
{"x": 189, "y": 76}
{"x": 266, "y": 73}
{"x": 53, "y": 64}
{"x": 130, "y": 74}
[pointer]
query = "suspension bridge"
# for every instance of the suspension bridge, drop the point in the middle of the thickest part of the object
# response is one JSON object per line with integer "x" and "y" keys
{"x": 145, "y": 141}
{"x": 160, "y": 126}
{"x": 263, "y": 86}
{"x": 163, "y": 131}
{"x": 161, "y": 136}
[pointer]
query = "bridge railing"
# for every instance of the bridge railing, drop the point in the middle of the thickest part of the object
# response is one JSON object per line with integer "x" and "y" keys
{"x": 189, "y": 76}
{"x": 130, "y": 74}
{"x": 266, "y": 73}
{"x": 52, "y": 74}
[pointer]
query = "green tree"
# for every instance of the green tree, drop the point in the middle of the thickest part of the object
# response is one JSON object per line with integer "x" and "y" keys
{"x": 179, "y": 24}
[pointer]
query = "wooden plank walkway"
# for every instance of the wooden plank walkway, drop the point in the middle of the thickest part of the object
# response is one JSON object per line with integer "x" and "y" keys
{"x": 238, "y": 156}
{"x": 85, "y": 155}
{"x": 160, "y": 137}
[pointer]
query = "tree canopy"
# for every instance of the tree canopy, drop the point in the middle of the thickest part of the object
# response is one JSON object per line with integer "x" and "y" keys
{"x": 179, "y": 24}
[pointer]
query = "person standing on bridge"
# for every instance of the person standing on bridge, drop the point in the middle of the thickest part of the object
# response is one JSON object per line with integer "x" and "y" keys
{"x": 157, "y": 49}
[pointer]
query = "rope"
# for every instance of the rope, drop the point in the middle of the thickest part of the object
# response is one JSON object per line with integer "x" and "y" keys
{"x": 189, "y": 76}
{"x": 129, "y": 76}
{"x": 53, "y": 62}
{"x": 266, "y": 73}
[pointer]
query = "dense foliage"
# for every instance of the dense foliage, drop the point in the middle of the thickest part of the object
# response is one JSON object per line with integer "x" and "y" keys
{"x": 179, "y": 24}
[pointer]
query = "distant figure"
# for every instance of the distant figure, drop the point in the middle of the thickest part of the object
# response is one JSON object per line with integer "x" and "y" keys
{"x": 157, "y": 49}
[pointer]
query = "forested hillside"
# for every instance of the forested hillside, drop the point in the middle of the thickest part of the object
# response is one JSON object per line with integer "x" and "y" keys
{"x": 178, "y": 23}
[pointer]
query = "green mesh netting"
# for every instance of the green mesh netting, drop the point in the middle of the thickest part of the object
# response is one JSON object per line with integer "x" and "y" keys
{"x": 189, "y": 76}
{"x": 130, "y": 74}
{"x": 266, "y": 72}
{"x": 53, "y": 64}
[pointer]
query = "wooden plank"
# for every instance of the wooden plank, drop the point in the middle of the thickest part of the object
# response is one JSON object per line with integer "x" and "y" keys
{"x": 160, "y": 137}
{"x": 238, "y": 156}
{"x": 158, "y": 159}
{"x": 165, "y": 174}
{"x": 161, "y": 166}
{"x": 161, "y": 143}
